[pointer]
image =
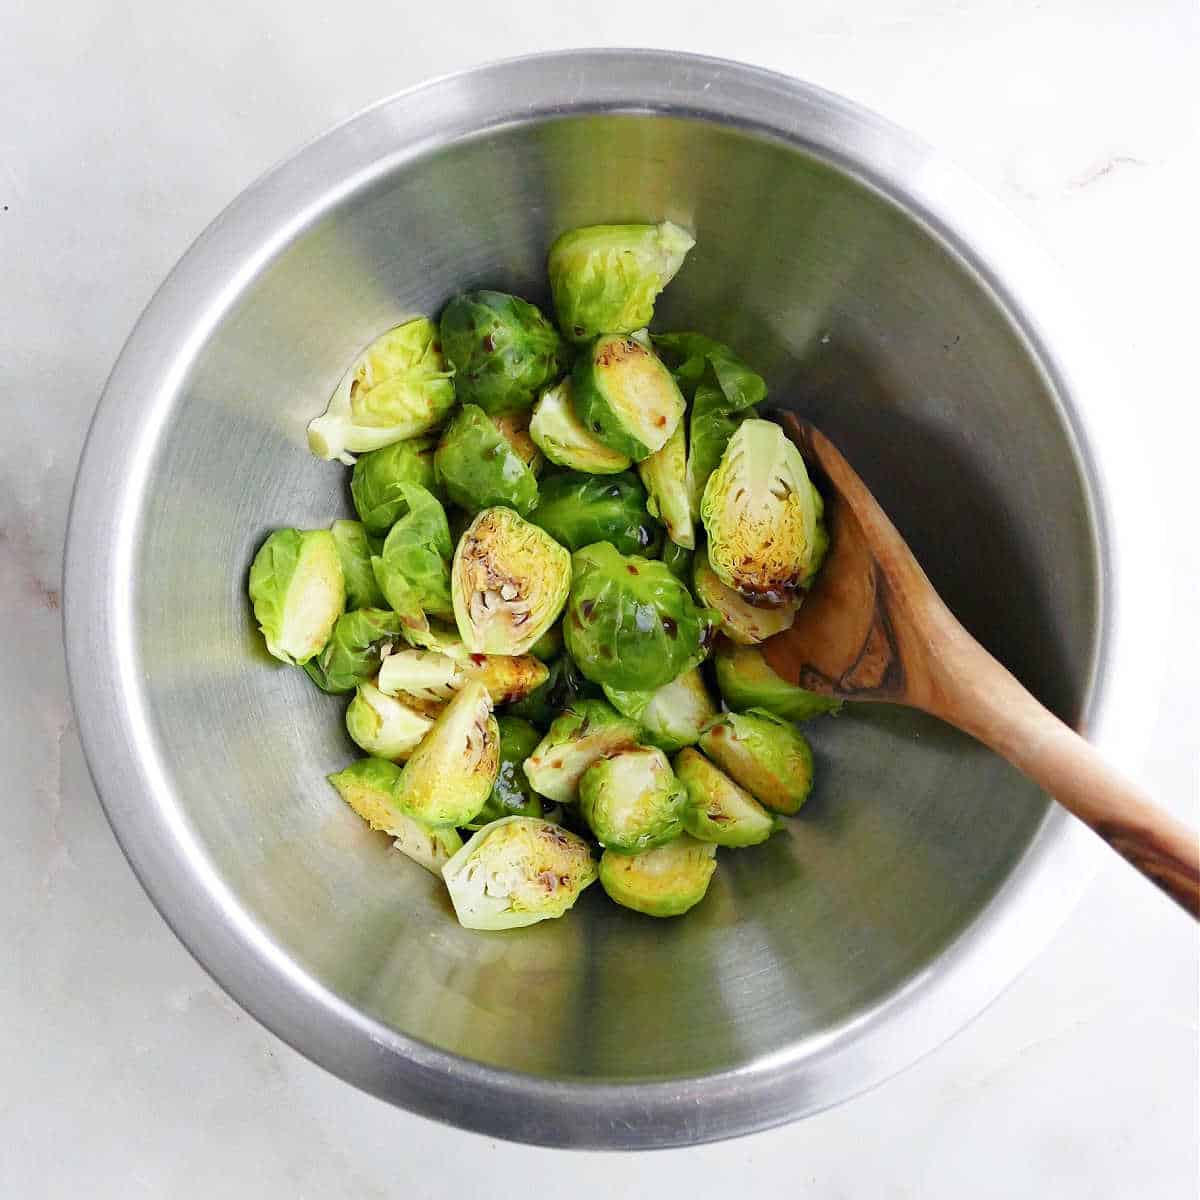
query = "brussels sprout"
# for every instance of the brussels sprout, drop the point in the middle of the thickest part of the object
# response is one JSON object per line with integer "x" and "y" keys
{"x": 502, "y": 349}
{"x": 747, "y": 681}
{"x": 630, "y": 623}
{"x": 625, "y": 396}
{"x": 632, "y": 800}
{"x": 517, "y": 871}
{"x": 741, "y": 621}
{"x": 579, "y": 510}
{"x": 665, "y": 476}
{"x": 549, "y": 645}
{"x": 435, "y": 676}
{"x": 377, "y": 476}
{"x": 382, "y": 725}
{"x": 664, "y": 882}
{"x": 354, "y": 649}
{"x": 677, "y": 559}
{"x": 674, "y": 715}
{"x": 605, "y": 278}
{"x": 449, "y": 776}
{"x": 354, "y": 553}
{"x": 821, "y": 542}
{"x": 718, "y": 810}
{"x": 478, "y": 468}
{"x": 369, "y": 787}
{"x": 511, "y": 793}
{"x": 510, "y": 581}
{"x": 763, "y": 753}
{"x": 399, "y": 387}
{"x": 514, "y": 428}
{"x": 760, "y": 515}
{"x": 585, "y": 732}
{"x": 565, "y": 440}
{"x": 298, "y": 592}
{"x": 565, "y": 686}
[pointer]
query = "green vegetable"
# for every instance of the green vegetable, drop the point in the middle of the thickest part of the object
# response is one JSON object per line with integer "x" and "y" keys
{"x": 677, "y": 559}
{"x": 765, "y": 754}
{"x": 630, "y": 623}
{"x": 741, "y": 622}
{"x": 747, "y": 681}
{"x": 631, "y": 800}
{"x": 549, "y": 646}
{"x": 664, "y": 882}
{"x": 435, "y": 676}
{"x": 353, "y": 651}
{"x": 578, "y": 510}
{"x": 502, "y": 349}
{"x": 585, "y": 732}
{"x": 298, "y": 592}
{"x": 354, "y": 553}
{"x": 510, "y": 580}
{"x": 665, "y": 475}
{"x": 672, "y": 716}
{"x": 625, "y": 396}
{"x": 478, "y": 467}
{"x": 565, "y": 687}
{"x": 565, "y": 440}
{"x": 718, "y": 810}
{"x": 375, "y": 482}
{"x": 512, "y": 794}
{"x": 517, "y": 871}
{"x": 605, "y": 278}
{"x": 398, "y": 388}
{"x": 514, "y": 428}
{"x": 384, "y": 726}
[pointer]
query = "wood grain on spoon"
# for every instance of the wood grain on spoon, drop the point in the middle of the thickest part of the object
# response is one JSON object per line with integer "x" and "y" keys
{"x": 873, "y": 628}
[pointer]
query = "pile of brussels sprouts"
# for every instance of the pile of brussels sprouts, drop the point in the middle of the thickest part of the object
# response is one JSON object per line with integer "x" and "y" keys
{"x": 529, "y": 626}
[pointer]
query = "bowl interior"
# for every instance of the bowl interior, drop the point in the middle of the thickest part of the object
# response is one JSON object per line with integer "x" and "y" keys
{"x": 860, "y": 317}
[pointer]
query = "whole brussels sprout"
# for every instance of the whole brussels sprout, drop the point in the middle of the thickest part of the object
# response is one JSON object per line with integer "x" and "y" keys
{"x": 665, "y": 475}
{"x": 564, "y": 439}
{"x": 298, "y": 592}
{"x": 382, "y": 725}
{"x": 631, "y": 800}
{"x": 741, "y": 622}
{"x": 672, "y": 716}
{"x": 760, "y": 515}
{"x": 502, "y": 349}
{"x": 435, "y": 676}
{"x": 678, "y": 560}
{"x": 630, "y": 623}
{"x": 747, "y": 681}
{"x": 478, "y": 468}
{"x": 398, "y": 388}
{"x": 579, "y": 510}
{"x": 587, "y": 731}
{"x": 450, "y": 775}
{"x": 510, "y": 581}
{"x": 565, "y": 687}
{"x": 719, "y": 811}
{"x": 766, "y": 755}
{"x": 354, "y": 649}
{"x": 512, "y": 795}
{"x": 663, "y": 882}
{"x": 605, "y": 278}
{"x": 517, "y": 871}
{"x": 514, "y": 428}
{"x": 377, "y": 476}
{"x": 354, "y": 553}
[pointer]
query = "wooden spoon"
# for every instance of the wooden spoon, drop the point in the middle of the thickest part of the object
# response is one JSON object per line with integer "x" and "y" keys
{"x": 873, "y": 628}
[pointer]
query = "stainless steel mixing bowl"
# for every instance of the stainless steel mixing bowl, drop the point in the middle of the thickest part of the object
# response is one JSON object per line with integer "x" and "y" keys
{"x": 881, "y": 295}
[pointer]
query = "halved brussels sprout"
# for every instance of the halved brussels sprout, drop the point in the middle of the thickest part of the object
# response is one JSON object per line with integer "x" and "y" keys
{"x": 510, "y": 581}
{"x": 518, "y": 871}
{"x": 605, "y": 278}
{"x": 384, "y": 726}
{"x": 631, "y": 800}
{"x": 665, "y": 475}
{"x": 763, "y": 753}
{"x": 369, "y": 787}
{"x": 630, "y": 623}
{"x": 374, "y": 483}
{"x": 719, "y": 811}
{"x": 398, "y": 387}
{"x": 514, "y": 428}
{"x": 579, "y": 510}
{"x": 677, "y": 559}
{"x": 587, "y": 731}
{"x": 502, "y": 349}
{"x": 512, "y": 795}
{"x": 354, "y": 553}
{"x": 672, "y": 716}
{"x": 663, "y": 882}
{"x": 565, "y": 440}
{"x": 449, "y": 776}
{"x": 565, "y": 686}
{"x": 549, "y": 646}
{"x": 298, "y": 592}
{"x": 760, "y": 515}
{"x": 435, "y": 676}
{"x": 478, "y": 468}
{"x": 747, "y": 681}
{"x": 741, "y": 622}
{"x": 354, "y": 650}
{"x": 625, "y": 396}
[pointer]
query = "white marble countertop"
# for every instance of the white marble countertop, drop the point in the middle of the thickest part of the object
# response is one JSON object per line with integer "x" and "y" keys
{"x": 124, "y": 1071}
